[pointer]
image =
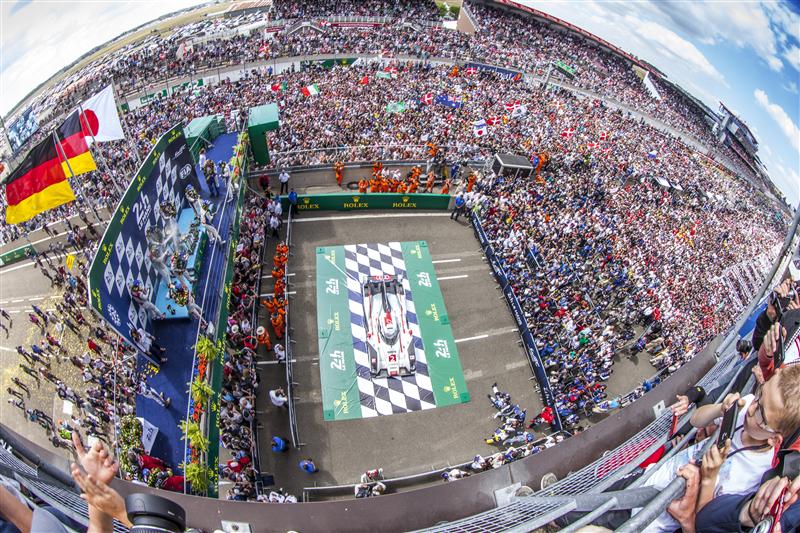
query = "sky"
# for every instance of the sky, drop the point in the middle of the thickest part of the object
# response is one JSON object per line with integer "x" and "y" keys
{"x": 39, "y": 37}
{"x": 745, "y": 54}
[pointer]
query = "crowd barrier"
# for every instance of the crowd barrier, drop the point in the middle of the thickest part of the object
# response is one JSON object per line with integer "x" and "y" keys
{"x": 290, "y": 393}
{"x": 528, "y": 341}
{"x": 357, "y": 201}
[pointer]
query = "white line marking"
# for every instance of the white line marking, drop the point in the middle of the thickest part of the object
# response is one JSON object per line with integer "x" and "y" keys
{"x": 26, "y": 265}
{"x": 270, "y": 294}
{"x": 356, "y": 217}
{"x": 7, "y": 349}
{"x": 36, "y": 299}
{"x": 445, "y": 261}
{"x": 454, "y": 277}
{"x": 272, "y": 362}
{"x": 269, "y": 276}
{"x": 472, "y": 374}
{"x": 516, "y": 364}
{"x": 476, "y": 337}
{"x": 16, "y": 301}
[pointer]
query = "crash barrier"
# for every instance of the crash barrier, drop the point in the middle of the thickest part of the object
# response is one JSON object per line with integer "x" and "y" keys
{"x": 528, "y": 341}
{"x": 290, "y": 393}
{"x": 350, "y": 202}
{"x": 435, "y": 474}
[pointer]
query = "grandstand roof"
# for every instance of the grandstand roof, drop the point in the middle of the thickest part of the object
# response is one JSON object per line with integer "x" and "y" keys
{"x": 741, "y": 123}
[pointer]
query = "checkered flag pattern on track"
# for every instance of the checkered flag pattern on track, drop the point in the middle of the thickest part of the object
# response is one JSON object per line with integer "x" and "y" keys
{"x": 384, "y": 396}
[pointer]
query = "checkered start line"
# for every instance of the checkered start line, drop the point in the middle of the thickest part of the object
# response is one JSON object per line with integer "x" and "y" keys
{"x": 384, "y": 396}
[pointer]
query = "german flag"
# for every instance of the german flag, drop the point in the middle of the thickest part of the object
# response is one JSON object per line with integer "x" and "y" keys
{"x": 73, "y": 144}
{"x": 38, "y": 184}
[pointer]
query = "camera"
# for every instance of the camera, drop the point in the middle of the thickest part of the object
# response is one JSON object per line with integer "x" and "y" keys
{"x": 154, "y": 514}
{"x": 744, "y": 346}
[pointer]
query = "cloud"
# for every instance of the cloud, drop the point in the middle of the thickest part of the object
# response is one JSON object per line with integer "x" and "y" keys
{"x": 673, "y": 45}
{"x": 792, "y": 56}
{"x": 790, "y": 87}
{"x": 744, "y": 24}
{"x": 781, "y": 118}
{"x": 40, "y": 38}
{"x": 20, "y": 4}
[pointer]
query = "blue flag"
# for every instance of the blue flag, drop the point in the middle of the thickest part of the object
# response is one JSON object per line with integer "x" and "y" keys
{"x": 454, "y": 101}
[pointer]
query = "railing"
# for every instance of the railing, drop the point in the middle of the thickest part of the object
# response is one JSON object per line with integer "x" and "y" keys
{"x": 526, "y": 337}
{"x": 254, "y": 322}
{"x": 529, "y": 74}
{"x": 530, "y": 512}
{"x": 290, "y": 395}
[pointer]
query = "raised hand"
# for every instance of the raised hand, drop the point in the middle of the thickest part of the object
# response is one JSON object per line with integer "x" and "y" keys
{"x": 97, "y": 462}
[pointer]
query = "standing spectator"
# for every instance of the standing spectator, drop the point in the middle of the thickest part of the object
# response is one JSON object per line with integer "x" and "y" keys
{"x": 284, "y": 179}
{"x": 307, "y": 465}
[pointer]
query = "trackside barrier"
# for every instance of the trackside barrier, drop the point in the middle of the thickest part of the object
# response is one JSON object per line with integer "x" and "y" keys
{"x": 356, "y": 201}
{"x": 391, "y": 483}
{"x": 528, "y": 341}
{"x": 290, "y": 395}
{"x": 17, "y": 254}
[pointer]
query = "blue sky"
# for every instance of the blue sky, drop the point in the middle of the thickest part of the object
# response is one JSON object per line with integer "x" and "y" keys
{"x": 746, "y": 54}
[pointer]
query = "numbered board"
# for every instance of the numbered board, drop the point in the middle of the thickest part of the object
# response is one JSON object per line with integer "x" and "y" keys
{"x": 348, "y": 389}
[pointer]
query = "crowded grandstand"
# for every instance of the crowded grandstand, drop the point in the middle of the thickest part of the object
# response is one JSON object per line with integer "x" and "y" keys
{"x": 622, "y": 233}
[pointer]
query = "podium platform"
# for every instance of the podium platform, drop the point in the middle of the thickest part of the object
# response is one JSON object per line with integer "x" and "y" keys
{"x": 163, "y": 302}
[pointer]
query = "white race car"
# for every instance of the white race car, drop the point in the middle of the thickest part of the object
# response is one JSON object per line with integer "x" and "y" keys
{"x": 390, "y": 340}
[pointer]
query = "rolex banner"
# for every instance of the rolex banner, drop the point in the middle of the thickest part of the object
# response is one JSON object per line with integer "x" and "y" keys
{"x": 348, "y": 202}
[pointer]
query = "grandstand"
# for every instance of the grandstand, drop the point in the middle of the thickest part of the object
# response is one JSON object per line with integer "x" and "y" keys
{"x": 557, "y": 238}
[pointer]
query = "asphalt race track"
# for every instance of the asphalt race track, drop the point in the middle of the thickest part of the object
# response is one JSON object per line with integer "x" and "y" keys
{"x": 408, "y": 443}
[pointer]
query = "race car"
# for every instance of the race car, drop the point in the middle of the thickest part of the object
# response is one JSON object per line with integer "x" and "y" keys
{"x": 390, "y": 340}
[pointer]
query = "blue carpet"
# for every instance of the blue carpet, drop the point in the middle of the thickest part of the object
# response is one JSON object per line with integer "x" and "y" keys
{"x": 178, "y": 336}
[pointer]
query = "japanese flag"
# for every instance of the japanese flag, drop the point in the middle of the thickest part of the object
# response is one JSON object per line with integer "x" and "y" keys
{"x": 99, "y": 117}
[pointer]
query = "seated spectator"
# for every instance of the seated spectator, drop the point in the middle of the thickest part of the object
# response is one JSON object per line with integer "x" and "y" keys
{"x": 765, "y": 420}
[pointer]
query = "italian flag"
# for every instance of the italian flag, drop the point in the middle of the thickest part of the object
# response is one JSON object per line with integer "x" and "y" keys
{"x": 311, "y": 90}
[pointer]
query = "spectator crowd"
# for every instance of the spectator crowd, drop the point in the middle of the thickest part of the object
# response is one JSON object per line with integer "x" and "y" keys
{"x": 603, "y": 257}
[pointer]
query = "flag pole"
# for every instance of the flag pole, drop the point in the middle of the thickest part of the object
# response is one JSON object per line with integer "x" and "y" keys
{"x": 102, "y": 158}
{"x": 125, "y": 130}
{"x": 64, "y": 159}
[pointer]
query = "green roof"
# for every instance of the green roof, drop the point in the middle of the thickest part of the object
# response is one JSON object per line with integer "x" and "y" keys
{"x": 196, "y": 127}
{"x": 265, "y": 115}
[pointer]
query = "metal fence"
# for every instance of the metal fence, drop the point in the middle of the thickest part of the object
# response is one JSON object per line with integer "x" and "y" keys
{"x": 290, "y": 394}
